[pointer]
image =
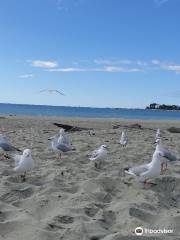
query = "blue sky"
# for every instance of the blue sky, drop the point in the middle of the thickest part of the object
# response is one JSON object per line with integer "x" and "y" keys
{"x": 103, "y": 53}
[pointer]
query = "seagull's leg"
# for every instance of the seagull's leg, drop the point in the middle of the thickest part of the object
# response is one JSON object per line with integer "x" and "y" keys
{"x": 165, "y": 167}
{"x": 145, "y": 182}
{"x": 60, "y": 156}
{"x": 162, "y": 168}
{"x": 23, "y": 177}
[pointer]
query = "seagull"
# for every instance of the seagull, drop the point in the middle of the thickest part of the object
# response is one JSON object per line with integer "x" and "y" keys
{"x": 6, "y": 146}
{"x": 165, "y": 153}
{"x": 91, "y": 133}
{"x": 24, "y": 163}
{"x": 52, "y": 91}
{"x": 158, "y": 133}
{"x": 61, "y": 144}
{"x": 147, "y": 171}
{"x": 99, "y": 153}
{"x": 123, "y": 139}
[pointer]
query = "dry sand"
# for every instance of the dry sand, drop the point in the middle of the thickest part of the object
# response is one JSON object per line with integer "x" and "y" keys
{"x": 71, "y": 199}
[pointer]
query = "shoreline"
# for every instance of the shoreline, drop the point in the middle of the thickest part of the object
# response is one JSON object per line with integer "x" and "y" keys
{"x": 90, "y": 119}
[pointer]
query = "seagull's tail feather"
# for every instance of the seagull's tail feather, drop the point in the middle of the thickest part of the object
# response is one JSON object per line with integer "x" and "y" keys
{"x": 130, "y": 173}
{"x": 92, "y": 159}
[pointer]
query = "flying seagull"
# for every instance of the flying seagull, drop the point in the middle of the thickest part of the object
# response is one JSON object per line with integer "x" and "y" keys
{"x": 52, "y": 91}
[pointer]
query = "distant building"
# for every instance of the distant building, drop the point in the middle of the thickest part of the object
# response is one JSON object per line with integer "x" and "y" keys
{"x": 154, "y": 106}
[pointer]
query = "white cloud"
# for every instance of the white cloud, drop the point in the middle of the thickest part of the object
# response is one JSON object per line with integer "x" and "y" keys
{"x": 44, "y": 64}
{"x": 26, "y": 76}
{"x": 69, "y": 69}
{"x": 155, "y": 62}
{"x": 108, "y": 65}
{"x": 67, "y": 4}
{"x": 160, "y": 2}
{"x": 103, "y": 69}
{"x": 112, "y": 62}
{"x": 121, "y": 69}
{"x": 119, "y": 61}
{"x": 175, "y": 68}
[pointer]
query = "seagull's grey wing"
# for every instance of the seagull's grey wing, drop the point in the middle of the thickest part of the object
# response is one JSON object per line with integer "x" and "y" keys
{"x": 61, "y": 93}
{"x": 170, "y": 156}
{"x": 63, "y": 147}
{"x": 138, "y": 169}
{"x": 95, "y": 153}
{"x": 43, "y": 90}
{"x": 51, "y": 91}
{"x": 8, "y": 147}
{"x": 92, "y": 153}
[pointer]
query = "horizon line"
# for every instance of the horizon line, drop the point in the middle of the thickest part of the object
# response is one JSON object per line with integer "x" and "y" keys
{"x": 29, "y": 104}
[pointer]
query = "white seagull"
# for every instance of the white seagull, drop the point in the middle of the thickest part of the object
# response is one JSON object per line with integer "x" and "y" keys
{"x": 61, "y": 144}
{"x": 147, "y": 171}
{"x": 168, "y": 156}
{"x": 99, "y": 153}
{"x": 24, "y": 163}
{"x": 123, "y": 139}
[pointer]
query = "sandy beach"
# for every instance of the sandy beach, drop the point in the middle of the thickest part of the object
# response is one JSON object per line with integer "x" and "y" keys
{"x": 71, "y": 199}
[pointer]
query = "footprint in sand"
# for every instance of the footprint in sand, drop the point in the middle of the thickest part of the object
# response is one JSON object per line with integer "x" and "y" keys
{"x": 59, "y": 221}
{"x": 91, "y": 211}
{"x": 17, "y": 195}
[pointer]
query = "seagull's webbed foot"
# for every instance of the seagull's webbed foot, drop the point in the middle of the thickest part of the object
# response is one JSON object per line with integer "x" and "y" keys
{"x": 149, "y": 184}
{"x": 58, "y": 156}
{"x": 163, "y": 169}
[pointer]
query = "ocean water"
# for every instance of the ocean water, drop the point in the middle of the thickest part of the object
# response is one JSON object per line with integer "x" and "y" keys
{"x": 40, "y": 110}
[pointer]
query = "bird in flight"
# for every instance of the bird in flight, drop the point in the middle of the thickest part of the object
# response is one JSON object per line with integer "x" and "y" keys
{"x": 52, "y": 91}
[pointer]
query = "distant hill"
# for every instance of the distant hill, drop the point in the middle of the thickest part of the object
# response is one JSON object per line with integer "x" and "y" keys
{"x": 163, "y": 107}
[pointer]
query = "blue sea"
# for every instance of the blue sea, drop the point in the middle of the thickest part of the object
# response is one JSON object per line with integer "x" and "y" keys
{"x": 40, "y": 110}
